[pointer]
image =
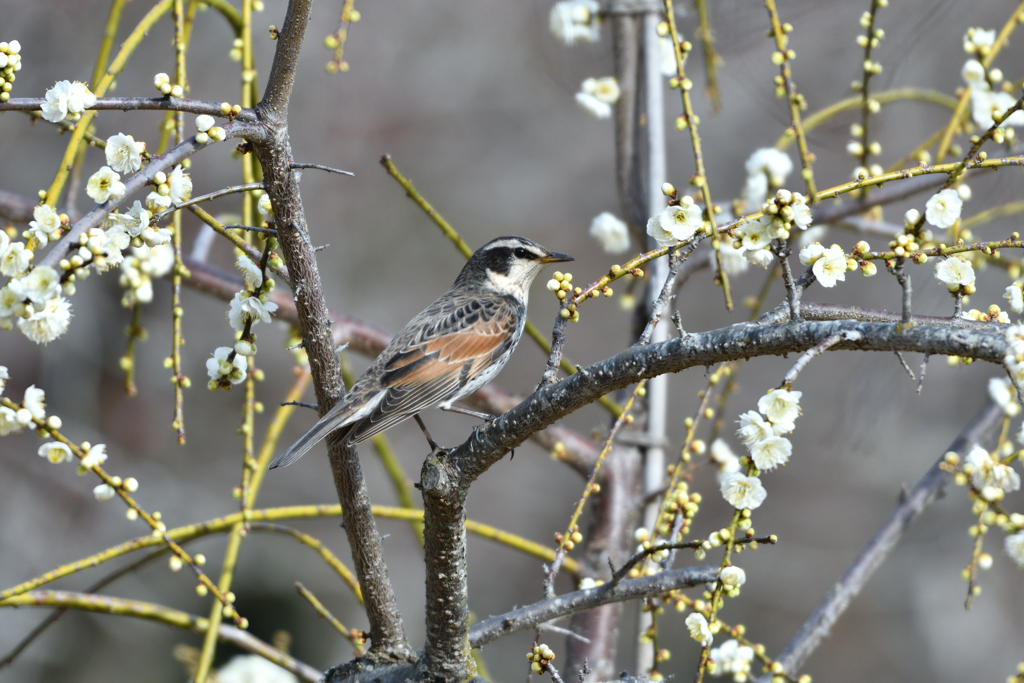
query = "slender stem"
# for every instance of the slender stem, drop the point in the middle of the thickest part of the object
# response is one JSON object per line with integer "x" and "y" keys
{"x": 796, "y": 100}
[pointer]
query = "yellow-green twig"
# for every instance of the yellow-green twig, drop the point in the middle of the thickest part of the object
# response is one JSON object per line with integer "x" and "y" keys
{"x": 351, "y": 635}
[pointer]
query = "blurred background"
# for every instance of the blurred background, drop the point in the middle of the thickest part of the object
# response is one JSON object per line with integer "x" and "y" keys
{"x": 474, "y": 101}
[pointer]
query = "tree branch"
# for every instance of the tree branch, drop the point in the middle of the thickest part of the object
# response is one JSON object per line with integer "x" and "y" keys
{"x": 387, "y": 635}
{"x": 492, "y": 628}
{"x": 820, "y": 622}
{"x": 137, "y": 104}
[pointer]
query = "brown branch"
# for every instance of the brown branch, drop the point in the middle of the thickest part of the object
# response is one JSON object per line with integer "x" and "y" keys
{"x": 137, "y": 104}
{"x": 282, "y": 186}
{"x": 492, "y": 628}
{"x": 820, "y": 622}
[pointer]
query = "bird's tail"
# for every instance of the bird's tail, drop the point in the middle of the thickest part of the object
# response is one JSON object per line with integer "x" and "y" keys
{"x": 321, "y": 429}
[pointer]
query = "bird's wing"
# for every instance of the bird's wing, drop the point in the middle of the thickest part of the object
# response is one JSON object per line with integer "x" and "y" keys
{"x": 423, "y": 366}
{"x": 438, "y": 361}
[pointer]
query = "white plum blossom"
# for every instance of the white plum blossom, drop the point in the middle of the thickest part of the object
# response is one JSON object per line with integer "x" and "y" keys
{"x": 140, "y": 269}
{"x": 772, "y": 452}
{"x": 954, "y": 272}
{"x": 610, "y": 232}
{"x": 732, "y": 260}
{"x": 1001, "y": 391}
{"x": 134, "y": 221}
{"x": 251, "y": 273}
{"x": 46, "y": 222}
{"x": 204, "y": 122}
{"x": 4, "y": 376}
{"x": 596, "y": 95}
{"x": 802, "y": 217}
{"x": 124, "y": 155}
{"x": 986, "y": 470}
{"x": 105, "y": 184}
{"x": 97, "y": 455}
{"x": 754, "y": 428}
{"x": 756, "y": 235}
{"x": 811, "y": 253}
{"x": 1014, "y": 295}
{"x": 743, "y": 492}
{"x": 732, "y": 577}
{"x": 55, "y": 452}
{"x": 943, "y": 208}
{"x": 245, "y": 308}
{"x": 219, "y": 367}
{"x": 987, "y": 106}
{"x": 35, "y": 402}
{"x": 759, "y": 257}
{"x": 755, "y": 191}
{"x": 253, "y": 669}
{"x": 1014, "y": 547}
{"x": 831, "y": 267}
{"x": 180, "y": 185}
{"x": 155, "y": 237}
{"x": 157, "y": 202}
{"x": 772, "y": 163}
{"x": 8, "y": 421}
{"x": 974, "y": 74}
{"x": 675, "y": 223}
{"x": 55, "y": 102}
{"x": 66, "y": 100}
{"x": 39, "y": 286}
{"x": 574, "y": 20}
{"x": 15, "y": 259}
{"x": 976, "y": 38}
{"x": 780, "y": 405}
{"x": 697, "y": 624}
{"x": 264, "y": 206}
{"x": 80, "y": 98}
{"x": 733, "y": 658}
{"x": 103, "y": 492}
{"x": 46, "y": 324}
{"x": 728, "y": 462}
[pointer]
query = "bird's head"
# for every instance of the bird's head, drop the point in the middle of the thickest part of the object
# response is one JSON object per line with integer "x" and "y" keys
{"x": 509, "y": 264}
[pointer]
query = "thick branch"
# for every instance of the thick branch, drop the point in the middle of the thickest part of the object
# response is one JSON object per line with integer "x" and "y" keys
{"x": 491, "y": 441}
{"x": 530, "y": 616}
{"x": 282, "y": 185}
{"x": 780, "y": 314}
{"x": 446, "y": 656}
{"x": 832, "y": 606}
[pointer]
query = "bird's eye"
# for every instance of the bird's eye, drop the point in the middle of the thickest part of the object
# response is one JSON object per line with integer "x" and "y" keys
{"x": 520, "y": 252}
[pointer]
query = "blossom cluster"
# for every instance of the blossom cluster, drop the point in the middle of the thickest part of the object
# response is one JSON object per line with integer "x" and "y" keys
{"x": 229, "y": 365}
{"x": 762, "y": 433}
{"x": 987, "y": 103}
{"x": 733, "y": 659}
{"x": 781, "y": 214}
{"x": 10, "y": 63}
{"x": 676, "y": 222}
{"x": 67, "y": 100}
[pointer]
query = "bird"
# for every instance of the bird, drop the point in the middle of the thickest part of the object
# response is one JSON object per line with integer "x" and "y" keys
{"x": 449, "y": 350}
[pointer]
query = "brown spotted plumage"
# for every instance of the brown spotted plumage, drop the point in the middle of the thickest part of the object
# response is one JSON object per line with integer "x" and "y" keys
{"x": 451, "y": 349}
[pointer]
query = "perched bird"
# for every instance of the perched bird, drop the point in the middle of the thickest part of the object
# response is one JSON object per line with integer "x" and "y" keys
{"x": 452, "y": 348}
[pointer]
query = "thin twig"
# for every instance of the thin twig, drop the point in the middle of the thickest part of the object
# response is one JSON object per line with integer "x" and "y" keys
{"x": 818, "y": 349}
{"x": 903, "y": 362}
{"x": 253, "y": 228}
{"x": 207, "y": 197}
{"x": 321, "y": 167}
{"x": 675, "y": 259}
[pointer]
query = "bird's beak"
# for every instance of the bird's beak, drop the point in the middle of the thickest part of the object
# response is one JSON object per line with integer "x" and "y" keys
{"x": 555, "y": 257}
